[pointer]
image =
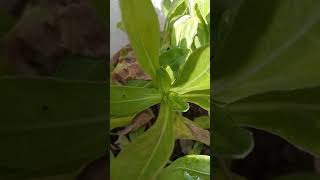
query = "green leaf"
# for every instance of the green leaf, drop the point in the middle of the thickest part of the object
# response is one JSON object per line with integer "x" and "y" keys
{"x": 148, "y": 153}
{"x": 202, "y": 121}
{"x": 43, "y": 120}
{"x": 166, "y": 6}
{"x": 142, "y": 26}
{"x": 178, "y": 8}
{"x": 203, "y": 6}
{"x": 287, "y": 114}
{"x": 183, "y": 32}
{"x": 195, "y": 74}
{"x": 174, "y": 58}
{"x": 299, "y": 176}
{"x": 201, "y": 98}
{"x": 177, "y": 103}
{"x": 134, "y": 134}
{"x": 139, "y": 83}
{"x": 163, "y": 80}
{"x": 203, "y": 32}
{"x": 230, "y": 141}
{"x": 125, "y": 100}
{"x": 260, "y": 58}
{"x": 190, "y": 167}
{"x": 197, "y": 148}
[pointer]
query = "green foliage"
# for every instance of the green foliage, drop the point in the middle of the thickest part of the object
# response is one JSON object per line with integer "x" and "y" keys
{"x": 148, "y": 153}
{"x": 51, "y": 127}
{"x": 188, "y": 167}
{"x": 127, "y": 100}
{"x": 38, "y": 127}
{"x": 177, "y": 102}
{"x": 142, "y": 26}
{"x": 266, "y": 74}
{"x": 229, "y": 140}
{"x": 187, "y": 24}
{"x": 201, "y": 98}
{"x": 195, "y": 74}
{"x": 180, "y": 74}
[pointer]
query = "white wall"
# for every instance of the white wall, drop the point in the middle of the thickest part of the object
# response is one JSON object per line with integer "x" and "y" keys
{"x": 118, "y": 38}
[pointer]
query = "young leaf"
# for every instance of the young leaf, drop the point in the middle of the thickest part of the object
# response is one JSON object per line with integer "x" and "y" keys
{"x": 203, "y": 32}
{"x": 142, "y": 26}
{"x": 187, "y": 168}
{"x": 178, "y": 9}
{"x": 147, "y": 154}
{"x": 201, "y": 98}
{"x": 183, "y": 32}
{"x": 125, "y": 100}
{"x": 195, "y": 74}
{"x": 166, "y": 6}
{"x": 286, "y": 114}
{"x": 174, "y": 58}
{"x": 44, "y": 119}
{"x": 177, "y": 103}
{"x": 204, "y": 7}
{"x": 163, "y": 80}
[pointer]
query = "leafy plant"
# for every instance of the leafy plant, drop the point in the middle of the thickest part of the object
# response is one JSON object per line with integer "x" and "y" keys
{"x": 177, "y": 79}
{"x": 266, "y": 74}
{"x": 187, "y": 24}
{"x": 51, "y": 127}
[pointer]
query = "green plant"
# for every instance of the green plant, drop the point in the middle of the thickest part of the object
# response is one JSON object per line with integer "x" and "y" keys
{"x": 177, "y": 78}
{"x": 187, "y": 24}
{"x": 51, "y": 127}
{"x": 266, "y": 74}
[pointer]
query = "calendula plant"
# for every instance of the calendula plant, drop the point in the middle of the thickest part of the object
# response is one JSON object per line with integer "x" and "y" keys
{"x": 174, "y": 85}
{"x": 187, "y": 25}
{"x": 266, "y": 75}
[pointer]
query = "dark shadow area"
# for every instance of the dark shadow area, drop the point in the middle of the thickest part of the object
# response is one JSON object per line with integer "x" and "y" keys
{"x": 272, "y": 157}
